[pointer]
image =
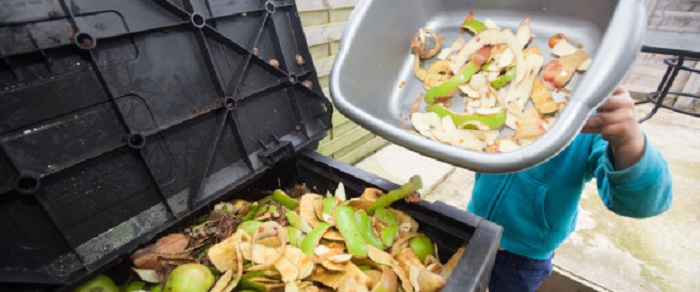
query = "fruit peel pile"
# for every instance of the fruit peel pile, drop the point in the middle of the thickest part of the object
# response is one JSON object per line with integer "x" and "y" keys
{"x": 296, "y": 241}
{"x": 497, "y": 73}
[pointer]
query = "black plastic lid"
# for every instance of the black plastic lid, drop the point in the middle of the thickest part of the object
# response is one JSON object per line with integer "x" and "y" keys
{"x": 120, "y": 117}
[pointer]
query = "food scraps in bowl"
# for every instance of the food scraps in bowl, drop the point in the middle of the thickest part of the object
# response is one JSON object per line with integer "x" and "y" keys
{"x": 504, "y": 83}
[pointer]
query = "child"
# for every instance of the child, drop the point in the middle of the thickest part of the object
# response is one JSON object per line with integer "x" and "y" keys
{"x": 537, "y": 207}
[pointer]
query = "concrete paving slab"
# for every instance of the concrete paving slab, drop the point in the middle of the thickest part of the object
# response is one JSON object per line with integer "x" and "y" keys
{"x": 455, "y": 189}
{"x": 397, "y": 164}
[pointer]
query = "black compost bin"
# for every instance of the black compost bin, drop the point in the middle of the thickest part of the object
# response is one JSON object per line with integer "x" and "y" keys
{"x": 122, "y": 119}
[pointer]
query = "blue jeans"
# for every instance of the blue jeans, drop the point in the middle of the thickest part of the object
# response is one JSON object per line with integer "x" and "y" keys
{"x": 512, "y": 272}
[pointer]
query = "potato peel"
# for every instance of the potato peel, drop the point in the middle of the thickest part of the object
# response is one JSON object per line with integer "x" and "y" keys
{"x": 383, "y": 258}
{"x": 223, "y": 282}
{"x": 307, "y": 209}
{"x": 223, "y": 255}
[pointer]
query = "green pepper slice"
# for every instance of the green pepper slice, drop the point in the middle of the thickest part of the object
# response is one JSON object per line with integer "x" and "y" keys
{"x": 345, "y": 222}
{"x": 389, "y": 234}
{"x": 422, "y": 246}
{"x": 246, "y": 283}
{"x": 486, "y": 65}
{"x": 249, "y": 226}
{"x": 365, "y": 225}
{"x": 280, "y": 197}
{"x": 386, "y": 217}
{"x": 504, "y": 79}
{"x": 312, "y": 239}
{"x": 450, "y": 87}
{"x": 265, "y": 209}
{"x": 298, "y": 221}
{"x": 252, "y": 210}
{"x": 406, "y": 189}
{"x": 474, "y": 26}
{"x": 493, "y": 121}
{"x": 329, "y": 205}
{"x": 295, "y": 236}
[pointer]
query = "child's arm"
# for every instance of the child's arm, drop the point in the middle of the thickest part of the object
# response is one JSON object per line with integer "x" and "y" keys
{"x": 632, "y": 176}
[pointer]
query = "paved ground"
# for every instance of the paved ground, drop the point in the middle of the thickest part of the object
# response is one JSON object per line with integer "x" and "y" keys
{"x": 620, "y": 254}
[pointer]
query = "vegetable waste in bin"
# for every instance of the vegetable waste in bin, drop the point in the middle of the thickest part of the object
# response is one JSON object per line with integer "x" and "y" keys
{"x": 125, "y": 121}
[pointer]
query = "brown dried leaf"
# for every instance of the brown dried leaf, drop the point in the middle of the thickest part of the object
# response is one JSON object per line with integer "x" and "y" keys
{"x": 171, "y": 246}
{"x": 298, "y": 191}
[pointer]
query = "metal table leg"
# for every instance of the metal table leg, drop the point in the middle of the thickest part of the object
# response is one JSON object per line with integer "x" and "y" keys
{"x": 666, "y": 84}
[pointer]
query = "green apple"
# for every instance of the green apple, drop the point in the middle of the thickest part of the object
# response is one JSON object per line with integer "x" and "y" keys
{"x": 100, "y": 283}
{"x": 189, "y": 278}
{"x": 422, "y": 247}
{"x": 135, "y": 286}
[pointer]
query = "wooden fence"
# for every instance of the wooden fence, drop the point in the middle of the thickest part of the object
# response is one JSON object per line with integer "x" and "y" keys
{"x": 323, "y": 22}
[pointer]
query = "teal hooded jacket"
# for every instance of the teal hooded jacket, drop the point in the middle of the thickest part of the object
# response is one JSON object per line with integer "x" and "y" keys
{"x": 538, "y": 207}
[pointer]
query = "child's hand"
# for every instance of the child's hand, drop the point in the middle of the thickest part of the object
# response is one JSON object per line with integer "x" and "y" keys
{"x": 616, "y": 122}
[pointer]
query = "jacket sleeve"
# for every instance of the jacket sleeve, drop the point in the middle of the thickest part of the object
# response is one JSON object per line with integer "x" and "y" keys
{"x": 639, "y": 191}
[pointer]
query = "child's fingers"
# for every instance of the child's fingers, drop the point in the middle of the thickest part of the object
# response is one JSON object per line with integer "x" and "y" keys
{"x": 606, "y": 118}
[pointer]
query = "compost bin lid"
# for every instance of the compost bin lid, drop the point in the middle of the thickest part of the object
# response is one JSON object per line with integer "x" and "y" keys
{"x": 120, "y": 117}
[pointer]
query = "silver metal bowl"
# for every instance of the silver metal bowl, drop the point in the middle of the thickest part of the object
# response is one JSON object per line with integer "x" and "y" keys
{"x": 374, "y": 58}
